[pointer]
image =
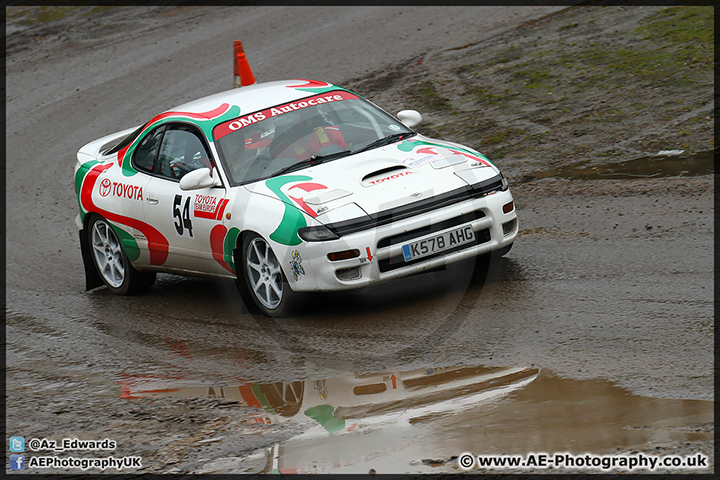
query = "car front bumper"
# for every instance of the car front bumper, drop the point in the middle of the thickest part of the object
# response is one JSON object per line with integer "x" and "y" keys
{"x": 381, "y": 254}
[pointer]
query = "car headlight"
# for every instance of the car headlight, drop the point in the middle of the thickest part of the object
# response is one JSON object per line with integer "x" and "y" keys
{"x": 504, "y": 184}
{"x": 318, "y": 233}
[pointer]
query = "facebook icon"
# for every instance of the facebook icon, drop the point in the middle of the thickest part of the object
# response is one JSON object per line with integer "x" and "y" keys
{"x": 17, "y": 462}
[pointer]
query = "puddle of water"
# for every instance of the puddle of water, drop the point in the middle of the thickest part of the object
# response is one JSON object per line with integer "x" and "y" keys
{"x": 415, "y": 421}
{"x": 653, "y": 166}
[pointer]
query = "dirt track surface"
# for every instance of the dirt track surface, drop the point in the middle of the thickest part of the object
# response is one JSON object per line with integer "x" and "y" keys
{"x": 610, "y": 281}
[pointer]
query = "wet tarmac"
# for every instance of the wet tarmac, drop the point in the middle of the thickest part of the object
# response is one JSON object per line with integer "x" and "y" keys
{"x": 665, "y": 164}
{"x": 630, "y": 344}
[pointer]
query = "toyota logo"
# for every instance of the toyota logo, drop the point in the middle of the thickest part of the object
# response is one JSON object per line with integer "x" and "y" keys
{"x": 105, "y": 187}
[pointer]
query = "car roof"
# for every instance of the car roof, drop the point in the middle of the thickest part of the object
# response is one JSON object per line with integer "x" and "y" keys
{"x": 257, "y": 96}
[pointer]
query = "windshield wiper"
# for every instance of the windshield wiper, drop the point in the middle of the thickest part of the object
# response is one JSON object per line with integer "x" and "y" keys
{"x": 311, "y": 162}
{"x": 386, "y": 141}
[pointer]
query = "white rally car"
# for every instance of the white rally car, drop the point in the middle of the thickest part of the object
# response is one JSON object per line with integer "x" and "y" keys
{"x": 285, "y": 186}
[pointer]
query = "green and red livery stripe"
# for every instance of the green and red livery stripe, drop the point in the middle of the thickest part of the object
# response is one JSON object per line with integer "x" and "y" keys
{"x": 205, "y": 120}
{"x": 410, "y": 145}
{"x": 222, "y": 244}
{"x": 157, "y": 243}
{"x": 293, "y": 219}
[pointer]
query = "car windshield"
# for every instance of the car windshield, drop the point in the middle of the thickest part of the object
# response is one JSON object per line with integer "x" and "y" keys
{"x": 301, "y": 133}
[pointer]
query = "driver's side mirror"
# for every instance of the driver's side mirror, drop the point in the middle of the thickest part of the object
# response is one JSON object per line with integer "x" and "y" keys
{"x": 200, "y": 178}
{"x": 410, "y": 118}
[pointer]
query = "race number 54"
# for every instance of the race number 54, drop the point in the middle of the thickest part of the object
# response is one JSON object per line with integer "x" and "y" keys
{"x": 183, "y": 221}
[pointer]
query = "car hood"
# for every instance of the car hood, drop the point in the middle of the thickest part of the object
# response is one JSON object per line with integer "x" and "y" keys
{"x": 379, "y": 180}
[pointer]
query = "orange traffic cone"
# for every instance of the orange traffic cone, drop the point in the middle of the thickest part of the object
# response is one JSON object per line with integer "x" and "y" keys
{"x": 243, "y": 73}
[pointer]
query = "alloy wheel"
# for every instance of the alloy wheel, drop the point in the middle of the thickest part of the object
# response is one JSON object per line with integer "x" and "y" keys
{"x": 108, "y": 254}
{"x": 264, "y": 273}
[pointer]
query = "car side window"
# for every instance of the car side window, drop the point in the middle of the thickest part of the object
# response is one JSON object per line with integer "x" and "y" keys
{"x": 181, "y": 151}
{"x": 146, "y": 152}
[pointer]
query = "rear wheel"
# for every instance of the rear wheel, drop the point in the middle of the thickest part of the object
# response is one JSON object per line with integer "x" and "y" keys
{"x": 111, "y": 262}
{"x": 264, "y": 280}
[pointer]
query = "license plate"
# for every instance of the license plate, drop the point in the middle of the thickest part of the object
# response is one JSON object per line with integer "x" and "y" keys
{"x": 439, "y": 242}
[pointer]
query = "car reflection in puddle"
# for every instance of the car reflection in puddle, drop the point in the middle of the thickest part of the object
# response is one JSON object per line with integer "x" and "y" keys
{"x": 375, "y": 411}
{"x": 418, "y": 421}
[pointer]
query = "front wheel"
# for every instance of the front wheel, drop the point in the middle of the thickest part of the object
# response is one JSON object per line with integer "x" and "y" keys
{"x": 111, "y": 262}
{"x": 264, "y": 280}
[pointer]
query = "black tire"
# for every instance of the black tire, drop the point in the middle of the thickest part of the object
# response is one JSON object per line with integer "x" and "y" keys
{"x": 482, "y": 267}
{"x": 111, "y": 262}
{"x": 260, "y": 279}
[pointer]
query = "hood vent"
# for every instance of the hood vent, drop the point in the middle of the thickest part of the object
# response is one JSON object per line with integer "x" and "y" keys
{"x": 383, "y": 171}
{"x": 383, "y": 174}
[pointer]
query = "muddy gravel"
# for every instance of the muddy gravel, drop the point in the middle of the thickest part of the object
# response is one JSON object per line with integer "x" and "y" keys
{"x": 593, "y": 335}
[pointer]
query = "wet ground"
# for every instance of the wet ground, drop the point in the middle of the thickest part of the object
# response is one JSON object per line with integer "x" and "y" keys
{"x": 674, "y": 165}
{"x": 419, "y": 421}
{"x": 598, "y": 325}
